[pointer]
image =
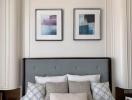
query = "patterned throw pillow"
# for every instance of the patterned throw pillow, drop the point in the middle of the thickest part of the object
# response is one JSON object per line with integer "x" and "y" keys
{"x": 101, "y": 91}
{"x": 34, "y": 92}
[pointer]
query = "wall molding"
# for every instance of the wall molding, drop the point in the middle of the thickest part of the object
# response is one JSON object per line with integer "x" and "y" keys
{"x": 11, "y": 42}
{"x": 108, "y": 28}
{"x": 26, "y": 27}
{"x": 118, "y": 42}
{"x": 129, "y": 41}
{"x": 7, "y": 41}
{"x": 2, "y": 44}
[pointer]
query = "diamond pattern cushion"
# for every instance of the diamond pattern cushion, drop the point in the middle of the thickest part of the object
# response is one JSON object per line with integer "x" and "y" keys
{"x": 101, "y": 91}
{"x": 34, "y": 92}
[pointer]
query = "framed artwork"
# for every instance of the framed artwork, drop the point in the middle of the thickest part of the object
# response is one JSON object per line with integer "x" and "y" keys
{"x": 49, "y": 25}
{"x": 86, "y": 24}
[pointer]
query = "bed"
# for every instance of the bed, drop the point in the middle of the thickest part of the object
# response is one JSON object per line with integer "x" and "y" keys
{"x": 60, "y": 66}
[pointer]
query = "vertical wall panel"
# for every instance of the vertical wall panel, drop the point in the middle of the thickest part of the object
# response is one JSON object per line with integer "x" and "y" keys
{"x": 118, "y": 41}
{"x": 13, "y": 43}
{"x": 26, "y": 27}
{"x": 129, "y": 31}
{"x": 2, "y": 45}
{"x": 9, "y": 44}
{"x": 130, "y": 44}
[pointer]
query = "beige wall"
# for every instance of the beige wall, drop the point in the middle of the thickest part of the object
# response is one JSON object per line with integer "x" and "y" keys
{"x": 113, "y": 44}
{"x": 68, "y": 47}
{"x": 113, "y": 30}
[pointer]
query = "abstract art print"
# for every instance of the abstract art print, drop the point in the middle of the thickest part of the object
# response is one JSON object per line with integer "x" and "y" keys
{"x": 86, "y": 24}
{"x": 48, "y": 24}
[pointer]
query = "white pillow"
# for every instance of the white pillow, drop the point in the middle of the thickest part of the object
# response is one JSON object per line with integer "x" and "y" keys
{"x": 101, "y": 91}
{"x": 128, "y": 98}
{"x": 68, "y": 96}
{"x": 43, "y": 80}
{"x": 78, "y": 78}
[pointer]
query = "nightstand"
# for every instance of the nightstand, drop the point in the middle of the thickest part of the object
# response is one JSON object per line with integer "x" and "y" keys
{"x": 0, "y": 95}
{"x": 122, "y": 93}
{"x": 10, "y": 94}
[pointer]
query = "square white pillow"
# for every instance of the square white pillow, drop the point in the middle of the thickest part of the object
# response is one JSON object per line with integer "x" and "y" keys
{"x": 68, "y": 96}
{"x": 43, "y": 80}
{"x": 79, "y": 78}
{"x": 101, "y": 91}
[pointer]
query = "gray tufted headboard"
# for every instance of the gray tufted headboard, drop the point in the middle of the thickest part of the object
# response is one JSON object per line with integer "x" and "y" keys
{"x": 61, "y": 66}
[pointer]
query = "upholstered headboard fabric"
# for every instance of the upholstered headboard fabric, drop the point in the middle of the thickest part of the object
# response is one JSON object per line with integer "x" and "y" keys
{"x": 61, "y": 66}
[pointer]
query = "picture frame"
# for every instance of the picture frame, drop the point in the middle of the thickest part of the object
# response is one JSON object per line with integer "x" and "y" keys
{"x": 87, "y": 24}
{"x": 49, "y": 25}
